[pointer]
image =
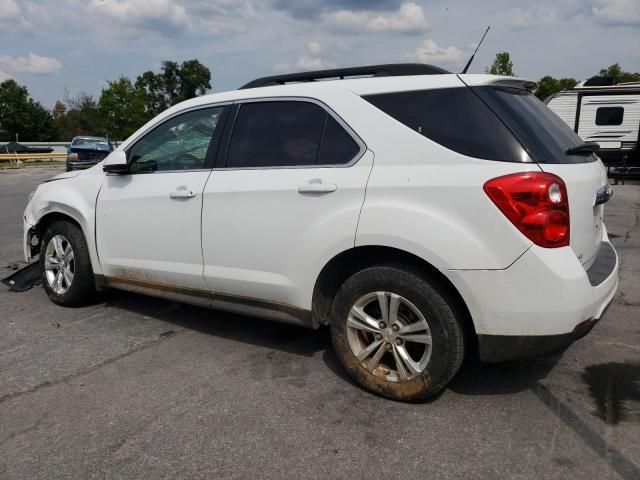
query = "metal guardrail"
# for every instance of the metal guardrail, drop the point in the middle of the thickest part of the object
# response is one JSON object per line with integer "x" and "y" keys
{"x": 31, "y": 156}
{"x": 16, "y": 158}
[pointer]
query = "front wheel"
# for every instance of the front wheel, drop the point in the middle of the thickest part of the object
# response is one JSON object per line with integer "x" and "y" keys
{"x": 397, "y": 333}
{"x": 67, "y": 275}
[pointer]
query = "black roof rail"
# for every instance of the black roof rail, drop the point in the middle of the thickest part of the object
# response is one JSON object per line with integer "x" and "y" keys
{"x": 388, "y": 70}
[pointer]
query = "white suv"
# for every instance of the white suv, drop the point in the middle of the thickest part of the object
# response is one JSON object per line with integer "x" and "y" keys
{"x": 417, "y": 213}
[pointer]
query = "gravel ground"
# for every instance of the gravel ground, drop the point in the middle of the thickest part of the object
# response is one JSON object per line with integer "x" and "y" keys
{"x": 136, "y": 387}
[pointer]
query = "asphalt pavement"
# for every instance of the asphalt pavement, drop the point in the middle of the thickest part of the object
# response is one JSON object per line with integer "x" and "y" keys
{"x": 136, "y": 387}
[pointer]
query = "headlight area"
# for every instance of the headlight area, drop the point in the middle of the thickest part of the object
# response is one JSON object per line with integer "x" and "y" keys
{"x": 32, "y": 243}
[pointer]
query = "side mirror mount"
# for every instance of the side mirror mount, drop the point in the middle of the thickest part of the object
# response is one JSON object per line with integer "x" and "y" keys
{"x": 116, "y": 162}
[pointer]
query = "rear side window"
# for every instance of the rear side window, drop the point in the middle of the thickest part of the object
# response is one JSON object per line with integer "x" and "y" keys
{"x": 288, "y": 134}
{"x": 609, "y": 115}
{"x": 454, "y": 118}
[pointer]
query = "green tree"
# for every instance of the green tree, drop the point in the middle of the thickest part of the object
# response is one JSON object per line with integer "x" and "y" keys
{"x": 549, "y": 85}
{"x": 619, "y": 75}
{"x": 173, "y": 84}
{"x": 21, "y": 115}
{"x": 502, "y": 65}
{"x": 122, "y": 106}
{"x": 82, "y": 117}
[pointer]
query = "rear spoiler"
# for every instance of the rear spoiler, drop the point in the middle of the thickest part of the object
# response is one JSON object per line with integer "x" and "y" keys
{"x": 474, "y": 80}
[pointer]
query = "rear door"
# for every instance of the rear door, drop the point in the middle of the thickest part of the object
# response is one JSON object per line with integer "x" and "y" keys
{"x": 547, "y": 138}
{"x": 289, "y": 190}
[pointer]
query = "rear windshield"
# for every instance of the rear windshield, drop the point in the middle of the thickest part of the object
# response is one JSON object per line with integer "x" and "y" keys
{"x": 492, "y": 123}
{"x": 545, "y": 135}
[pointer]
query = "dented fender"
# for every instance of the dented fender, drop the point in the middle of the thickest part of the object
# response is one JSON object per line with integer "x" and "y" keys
{"x": 73, "y": 196}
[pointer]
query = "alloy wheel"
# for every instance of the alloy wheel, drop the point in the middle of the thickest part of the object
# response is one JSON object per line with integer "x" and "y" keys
{"x": 59, "y": 264}
{"x": 389, "y": 336}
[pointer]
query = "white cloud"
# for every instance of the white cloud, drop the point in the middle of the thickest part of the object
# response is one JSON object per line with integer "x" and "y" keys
{"x": 32, "y": 63}
{"x": 408, "y": 18}
{"x": 4, "y": 76}
{"x": 313, "y": 48}
{"x": 9, "y": 9}
{"x": 222, "y": 17}
{"x": 519, "y": 18}
{"x": 304, "y": 63}
{"x": 429, "y": 52}
{"x": 160, "y": 15}
{"x": 224, "y": 27}
{"x": 617, "y": 12}
{"x": 309, "y": 61}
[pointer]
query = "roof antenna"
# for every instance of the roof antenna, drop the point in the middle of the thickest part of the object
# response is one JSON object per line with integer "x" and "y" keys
{"x": 466, "y": 67}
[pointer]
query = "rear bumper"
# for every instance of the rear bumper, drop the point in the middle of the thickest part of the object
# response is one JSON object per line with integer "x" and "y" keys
{"x": 499, "y": 348}
{"x": 541, "y": 303}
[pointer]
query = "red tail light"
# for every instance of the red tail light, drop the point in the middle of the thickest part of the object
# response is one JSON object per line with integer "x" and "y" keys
{"x": 536, "y": 203}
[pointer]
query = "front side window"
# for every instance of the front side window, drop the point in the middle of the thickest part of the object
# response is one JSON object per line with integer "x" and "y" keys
{"x": 609, "y": 115}
{"x": 287, "y": 134}
{"x": 180, "y": 143}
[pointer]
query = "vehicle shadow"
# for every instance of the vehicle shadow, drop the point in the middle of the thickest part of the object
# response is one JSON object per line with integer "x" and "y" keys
{"x": 252, "y": 330}
{"x": 479, "y": 378}
{"x": 474, "y": 377}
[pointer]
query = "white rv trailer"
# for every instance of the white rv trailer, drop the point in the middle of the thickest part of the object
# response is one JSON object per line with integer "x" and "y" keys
{"x": 606, "y": 113}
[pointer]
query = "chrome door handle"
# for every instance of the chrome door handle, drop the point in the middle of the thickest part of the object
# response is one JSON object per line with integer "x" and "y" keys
{"x": 317, "y": 186}
{"x": 182, "y": 194}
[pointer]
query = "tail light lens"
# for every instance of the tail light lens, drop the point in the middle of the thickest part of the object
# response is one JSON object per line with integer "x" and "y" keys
{"x": 536, "y": 203}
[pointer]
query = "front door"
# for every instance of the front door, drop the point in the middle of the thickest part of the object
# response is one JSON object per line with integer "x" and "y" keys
{"x": 148, "y": 226}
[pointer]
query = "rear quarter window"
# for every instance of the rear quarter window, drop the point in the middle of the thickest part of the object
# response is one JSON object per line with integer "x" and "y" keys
{"x": 544, "y": 135}
{"x": 456, "y": 119}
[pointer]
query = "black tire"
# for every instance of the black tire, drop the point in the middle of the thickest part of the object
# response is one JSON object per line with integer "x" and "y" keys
{"x": 82, "y": 290}
{"x": 437, "y": 307}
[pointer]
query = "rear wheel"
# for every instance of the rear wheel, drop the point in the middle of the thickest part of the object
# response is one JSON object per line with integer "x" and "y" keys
{"x": 397, "y": 333}
{"x": 67, "y": 275}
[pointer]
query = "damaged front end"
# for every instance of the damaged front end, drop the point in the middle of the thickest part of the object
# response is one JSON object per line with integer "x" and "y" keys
{"x": 31, "y": 241}
{"x": 24, "y": 278}
{"x": 30, "y": 274}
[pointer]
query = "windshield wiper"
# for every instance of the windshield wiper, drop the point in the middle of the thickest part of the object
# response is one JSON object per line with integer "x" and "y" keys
{"x": 583, "y": 149}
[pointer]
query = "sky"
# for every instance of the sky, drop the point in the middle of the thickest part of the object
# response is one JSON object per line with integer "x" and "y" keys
{"x": 71, "y": 46}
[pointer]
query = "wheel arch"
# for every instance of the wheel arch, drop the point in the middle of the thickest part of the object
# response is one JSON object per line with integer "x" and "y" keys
{"x": 47, "y": 220}
{"x": 348, "y": 262}
{"x": 67, "y": 215}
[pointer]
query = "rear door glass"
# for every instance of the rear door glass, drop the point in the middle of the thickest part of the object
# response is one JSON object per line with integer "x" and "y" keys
{"x": 288, "y": 133}
{"x": 337, "y": 146}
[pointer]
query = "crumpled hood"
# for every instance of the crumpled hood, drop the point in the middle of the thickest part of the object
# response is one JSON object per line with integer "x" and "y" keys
{"x": 74, "y": 173}
{"x": 62, "y": 176}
